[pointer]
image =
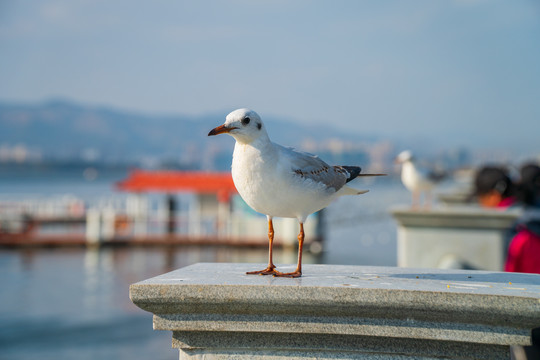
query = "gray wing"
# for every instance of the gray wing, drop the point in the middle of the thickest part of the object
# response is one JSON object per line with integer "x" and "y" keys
{"x": 431, "y": 174}
{"x": 309, "y": 166}
{"x": 436, "y": 176}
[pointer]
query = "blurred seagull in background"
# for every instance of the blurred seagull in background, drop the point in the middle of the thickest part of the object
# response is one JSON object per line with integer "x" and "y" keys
{"x": 417, "y": 179}
{"x": 279, "y": 181}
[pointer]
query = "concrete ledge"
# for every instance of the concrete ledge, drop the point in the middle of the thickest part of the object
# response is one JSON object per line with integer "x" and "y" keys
{"x": 464, "y": 217}
{"x": 454, "y": 237}
{"x": 307, "y": 346}
{"x": 218, "y": 312}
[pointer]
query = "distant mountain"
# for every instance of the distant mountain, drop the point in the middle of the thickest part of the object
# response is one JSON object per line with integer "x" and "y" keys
{"x": 67, "y": 130}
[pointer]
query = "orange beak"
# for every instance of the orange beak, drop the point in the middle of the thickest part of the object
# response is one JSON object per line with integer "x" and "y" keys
{"x": 220, "y": 130}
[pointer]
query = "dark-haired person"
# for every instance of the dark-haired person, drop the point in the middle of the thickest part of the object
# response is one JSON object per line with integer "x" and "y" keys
{"x": 530, "y": 185}
{"x": 524, "y": 250}
{"x": 494, "y": 188}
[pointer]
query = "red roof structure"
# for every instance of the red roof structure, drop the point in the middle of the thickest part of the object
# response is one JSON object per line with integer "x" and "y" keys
{"x": 169, "y": 181}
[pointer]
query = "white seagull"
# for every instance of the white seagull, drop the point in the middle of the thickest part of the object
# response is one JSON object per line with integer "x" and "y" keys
{"x": 279, "y": 181}
{"x": 417, "y": 179}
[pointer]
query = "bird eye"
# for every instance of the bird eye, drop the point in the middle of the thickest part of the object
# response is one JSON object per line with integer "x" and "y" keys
{"x": 245, "y": 121}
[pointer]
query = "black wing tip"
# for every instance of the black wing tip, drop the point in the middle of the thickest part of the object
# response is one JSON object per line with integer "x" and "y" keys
{"x": 353, "y": 171}
{"x": 437, "y": 176}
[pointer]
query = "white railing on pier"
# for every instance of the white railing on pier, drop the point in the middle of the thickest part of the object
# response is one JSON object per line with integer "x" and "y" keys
{"x": 129, "y": 215}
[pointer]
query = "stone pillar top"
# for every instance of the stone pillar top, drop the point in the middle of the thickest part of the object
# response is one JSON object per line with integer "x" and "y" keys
{"x": 215, "y": 311}
{"x": 457, "y": 217}
{"x": 338, "y": 290}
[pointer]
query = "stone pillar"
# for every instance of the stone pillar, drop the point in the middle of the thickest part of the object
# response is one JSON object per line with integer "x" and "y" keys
{"x": 453, "y": 237}
{"x": 93, "y": 226}
{"x": 171, "y": 214}
{"x": 108, "y": 218}
{"x": 137, "y": 210}
{"x": 215, "y": 311}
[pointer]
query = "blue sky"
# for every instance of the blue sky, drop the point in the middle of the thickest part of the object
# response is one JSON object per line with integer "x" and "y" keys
{"x": 462, "y": 72}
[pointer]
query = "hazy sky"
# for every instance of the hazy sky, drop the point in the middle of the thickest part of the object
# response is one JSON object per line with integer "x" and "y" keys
{"x": 465, "y": 72}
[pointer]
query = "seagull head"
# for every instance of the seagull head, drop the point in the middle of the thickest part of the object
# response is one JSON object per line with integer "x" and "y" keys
{"x": 244, "y": 125}
{"x": 404, "y": 156}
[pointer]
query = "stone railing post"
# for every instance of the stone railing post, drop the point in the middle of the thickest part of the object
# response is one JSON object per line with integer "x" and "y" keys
{"x": 215, "y": 311}
{"x": 453, "y": 237}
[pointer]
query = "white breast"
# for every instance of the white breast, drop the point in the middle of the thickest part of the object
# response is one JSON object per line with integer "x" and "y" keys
{"x": 270, "y": 186}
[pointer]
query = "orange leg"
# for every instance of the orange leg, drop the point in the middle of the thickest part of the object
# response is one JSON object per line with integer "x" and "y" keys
{"x": 415, "y": 199}
{"x": 428, "y": 199}
{"x": 298, "y": 271}
{"x": 271, "y": 269}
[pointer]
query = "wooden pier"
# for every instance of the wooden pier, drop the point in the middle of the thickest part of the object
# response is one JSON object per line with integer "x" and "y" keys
{"x": 80, "y": 240}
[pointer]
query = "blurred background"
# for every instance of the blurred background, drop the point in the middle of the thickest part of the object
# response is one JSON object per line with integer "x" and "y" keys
{"x": 104, "y": 105}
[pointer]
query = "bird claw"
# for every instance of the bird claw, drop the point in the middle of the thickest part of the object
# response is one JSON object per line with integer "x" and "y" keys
{"x": 272, "y": 271}
{"x": 294, "y": 274}
{"x": 268, "y": 271}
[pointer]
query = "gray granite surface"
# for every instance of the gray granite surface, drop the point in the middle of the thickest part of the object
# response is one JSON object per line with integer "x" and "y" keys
{"x": 217, "y": 309}
{"x": 360, "y": 277}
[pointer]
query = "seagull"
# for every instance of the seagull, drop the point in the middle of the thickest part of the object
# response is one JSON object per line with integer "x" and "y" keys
{"x": 279, "y": 181}
{"x": 416, "y": 179}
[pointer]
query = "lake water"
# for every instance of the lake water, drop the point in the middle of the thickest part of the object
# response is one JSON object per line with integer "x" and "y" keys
{"x": 74, "y": 303}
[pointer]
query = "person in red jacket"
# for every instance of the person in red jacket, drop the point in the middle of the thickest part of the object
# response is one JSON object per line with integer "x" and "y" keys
{"x": 495, "y": 189}
{"x": 524, "y": 250}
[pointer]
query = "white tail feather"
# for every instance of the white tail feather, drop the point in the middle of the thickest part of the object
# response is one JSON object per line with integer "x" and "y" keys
{"x": 346, "y": 190}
